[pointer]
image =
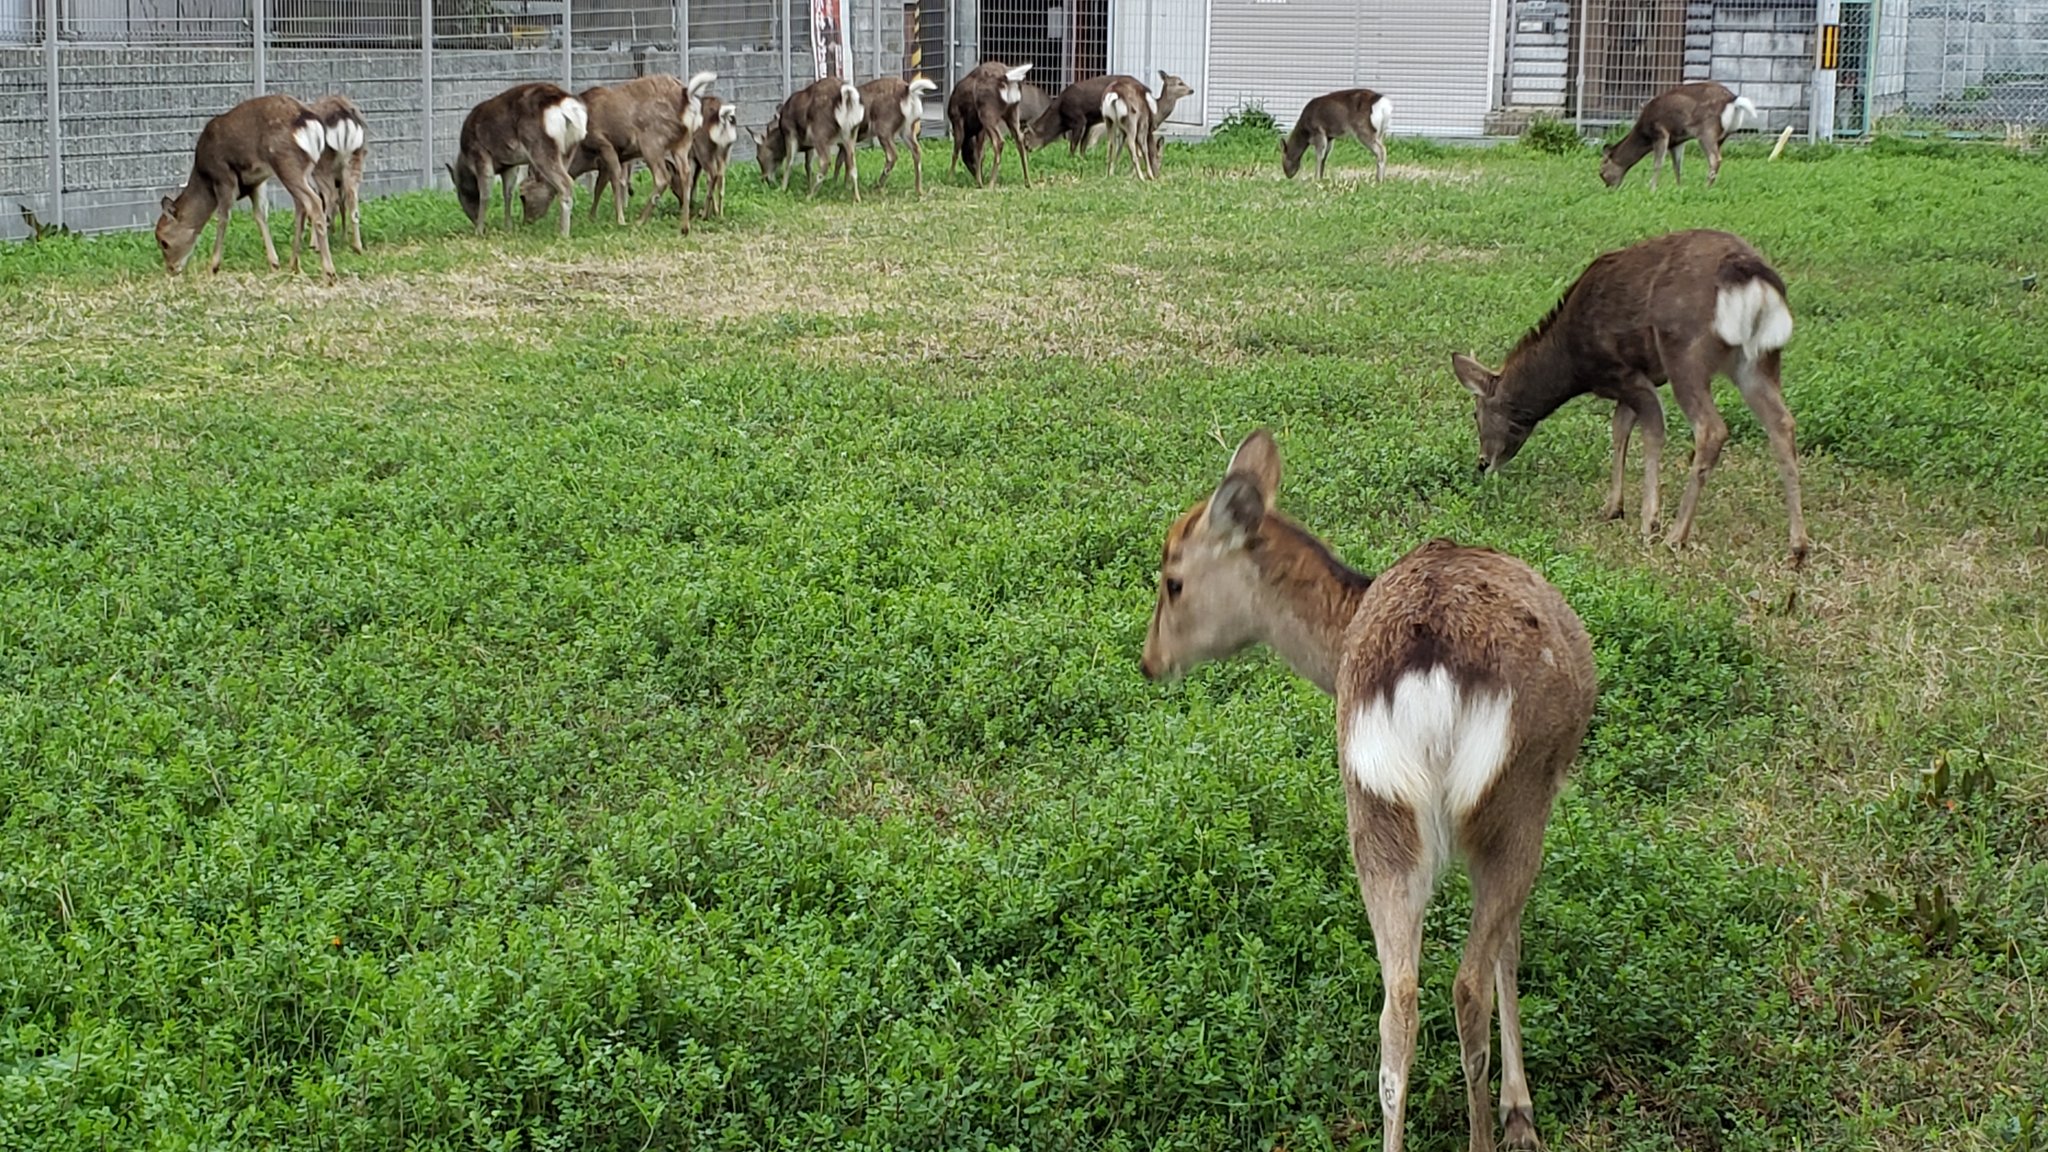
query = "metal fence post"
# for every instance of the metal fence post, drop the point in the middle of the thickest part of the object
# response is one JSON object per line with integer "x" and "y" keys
{"x": 783, "y": 6}
{"x": 56, "y": 123}
{"x": 877, "y": 26}
{"x": 568, "y": 60}
{"x": 259, "y": 19}
{"x": 1827, "y": 42}
{"x": 682, "y": 15}
{"x": 1579, "y": 97}
{"x": 427, "y": 93}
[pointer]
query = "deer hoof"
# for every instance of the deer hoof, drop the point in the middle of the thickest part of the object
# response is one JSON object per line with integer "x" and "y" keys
{"x": 1519, "y": 1131}
{"x": 1611, "y": 511}
{"x": 1798, "y": 557}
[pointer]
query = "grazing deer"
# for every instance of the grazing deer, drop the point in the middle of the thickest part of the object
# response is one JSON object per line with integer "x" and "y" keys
{"x": 1128, "y": 113}
{"x": 1360, "y": 113}
{"x": 1172, "y": 90}
{"x": 238, "y": 151}
{"x": 711, "y": 154}
{"x": 338, "y": 174}
{"x": 1706, "y": 111}
{"x": 1076, "y": 114}
{"x": 1032, "y": 102}
{"x": 979, "y": 110}
{"x": 1464, "y": 686}
{"x": 1681, "y": 308}
{"x": 651, "y": 118}
{"x": 894, "y": 108}
{"x": 533, "y": 126}
{"x": 820, "y": 120}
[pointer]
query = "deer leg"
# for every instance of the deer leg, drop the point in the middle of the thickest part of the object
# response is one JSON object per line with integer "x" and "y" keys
{"x": 505, "y": 191}
{"x": 1501, "y": 880}
{"x": 257, "y": 206}
{"x": 310, "y": 208}
{"x": 224, "y": 197}
{"x": 1761, "y": 390}
{"x": 1395, "y": 903}
{"x": 548, "y": 168}
{"x": 1023, "y": 153}
{"x": 917, "y": 164}
{"x": 1650, "y": 426}
{"x": 622, "y": 183}
{"x": 351, "y": 200}
{"x": 1692, "y": 387}
{"x": 1624, "y": 422}
{"x": 1712, "y": 147}
{"x": 1677, "y": 150}
{"x": 1658, "y": 150}
{"x": 1379, "y": 156}
{"x": 852, "y": 168}
{"x": 1322, "y": 146}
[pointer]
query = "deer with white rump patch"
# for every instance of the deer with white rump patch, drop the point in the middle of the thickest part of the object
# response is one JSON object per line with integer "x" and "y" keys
{"x": 821, "y": 120}
{"x": 1360, "y": 113}
{"x": 983, "y": 106}
{"x": 237, "y": 153}
{"x": 1677, "y": 308}
{"x": 532, "y": 126}
{"x": 1172, "y": 90}
{"x": 651, "y": 118}
{"x": 1128, "y": 113}
{"x": 1706, "y": 111}
{"x": 1464, "y": 685}
{"x": 711, "y": 155}
{"x": 338, "y": 174}
{"x": 894, "y": 108}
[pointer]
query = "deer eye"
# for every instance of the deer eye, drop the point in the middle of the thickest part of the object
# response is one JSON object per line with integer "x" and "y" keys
{"x": 1172, "y": 589}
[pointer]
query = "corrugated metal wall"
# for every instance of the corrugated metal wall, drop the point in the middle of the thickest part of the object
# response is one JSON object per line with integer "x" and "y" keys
{"x": 1432, "y": 58}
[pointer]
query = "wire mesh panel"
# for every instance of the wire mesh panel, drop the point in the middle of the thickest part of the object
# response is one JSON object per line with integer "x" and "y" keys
{"x": 1971, "y": 66}
{"x": 137, "y": 80}
{"x": 744, "y": 41}
{"x": 24, "y": 119}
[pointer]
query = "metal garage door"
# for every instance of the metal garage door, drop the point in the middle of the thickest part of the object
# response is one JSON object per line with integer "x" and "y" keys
{"x": 1432, "y": 58}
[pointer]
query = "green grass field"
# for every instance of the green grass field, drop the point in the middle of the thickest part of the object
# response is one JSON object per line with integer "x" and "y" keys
{"x": 648, "y": 692}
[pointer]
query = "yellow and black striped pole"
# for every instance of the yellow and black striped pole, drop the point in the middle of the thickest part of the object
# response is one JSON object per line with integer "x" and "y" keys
{"x": 1827, "y": 51}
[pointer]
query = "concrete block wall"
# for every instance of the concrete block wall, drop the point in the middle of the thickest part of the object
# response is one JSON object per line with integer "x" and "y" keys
{"x": 1539, "y": 49}
{"x": 1766, "y": 54}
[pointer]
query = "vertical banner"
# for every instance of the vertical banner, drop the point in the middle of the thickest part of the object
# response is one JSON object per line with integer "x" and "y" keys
{"x": 831, "y": 40}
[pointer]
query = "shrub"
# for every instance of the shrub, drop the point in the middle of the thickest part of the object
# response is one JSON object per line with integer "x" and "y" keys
{"x": 1549, "y": 134}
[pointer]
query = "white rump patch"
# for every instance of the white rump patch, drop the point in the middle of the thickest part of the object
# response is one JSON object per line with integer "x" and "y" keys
{"x": 920, "y": 86}
{"x": 311, "y": 138}
{"x": 1433, "y": 747}
{"x": 700, "y": 82}
{"x": 848, "y": 113}
{"x": 565, "y": 122}
{"x": 1152, "y": 102}
{"x": 344, "y": 137}
{"x": 727, "y": 129}
{"x": 1382, "y": 115}
{"x": 1738, "y": 115}
{"x": 1016, "y": 75}
{"x": 1752, "y": 317}
{"x": 1113, "y": 108}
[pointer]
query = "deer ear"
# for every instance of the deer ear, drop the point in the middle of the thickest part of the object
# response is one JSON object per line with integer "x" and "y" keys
{"x": 1235, "y": 510}
{"x": 1474, "y": 376}
{"x": 169, "y": 205}
{"x": 1258, "y": 460}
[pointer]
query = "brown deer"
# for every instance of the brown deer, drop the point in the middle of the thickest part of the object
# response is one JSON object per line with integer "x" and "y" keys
{"x": 238, "y": 151}
{"x": 820, "y": 120}
{"x": 1360, "y": 113}
{"x": 533, "y": 126}
{"x": 650, "y": 118}
{"x": 894, "y": 108}
{"x": 981, "y": 108}
{"x": 711, "y": 154}
{"x": 1706, "y": 111}
{"x": 1172, "y": 90}
{"x": 1074, "y": 115}
{"x": 1680, "y": 307}
{"x": 338, "y": 174}
{"x": 1128, "y": 113}
{"x": 1464, "y": 686}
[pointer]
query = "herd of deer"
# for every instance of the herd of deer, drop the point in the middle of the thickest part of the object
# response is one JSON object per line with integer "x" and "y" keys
{"x": 1464, "y": 682}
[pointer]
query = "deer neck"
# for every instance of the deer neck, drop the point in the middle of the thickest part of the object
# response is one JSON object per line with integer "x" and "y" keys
{"x": 1310, "y": 599}
{"x": 1538, "y": 379}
